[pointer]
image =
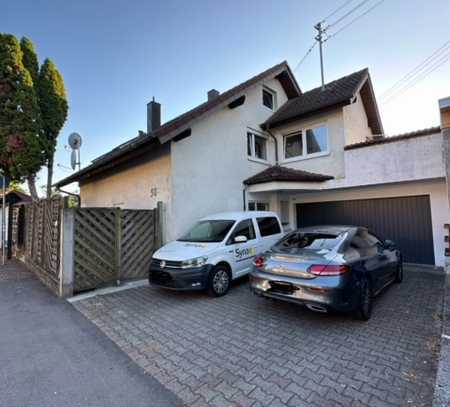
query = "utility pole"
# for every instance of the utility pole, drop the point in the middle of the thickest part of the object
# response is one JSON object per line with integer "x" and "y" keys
{"x": 319, "y": 38}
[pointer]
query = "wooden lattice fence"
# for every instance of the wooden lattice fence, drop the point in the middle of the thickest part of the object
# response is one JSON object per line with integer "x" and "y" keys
{"x": 78, "y": 249}
{"x": 43, "y": 238}
{"x": 111, "y": 245}
{"x": 139, "y": 239}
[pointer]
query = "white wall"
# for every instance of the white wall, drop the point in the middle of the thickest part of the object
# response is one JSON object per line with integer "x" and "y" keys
{"x": 330, "y": 164}
{"x": 138, "y": 187}
{"x": 406, "y": 160}
{"x": 209, "y": 166}
{"x": 355, "y": 122}
{"x": 436, "y": 189}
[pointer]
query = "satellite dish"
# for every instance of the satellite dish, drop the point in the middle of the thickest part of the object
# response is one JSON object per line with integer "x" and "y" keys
{"x": 75, "y": 141}
{"x": 73, "y": 159}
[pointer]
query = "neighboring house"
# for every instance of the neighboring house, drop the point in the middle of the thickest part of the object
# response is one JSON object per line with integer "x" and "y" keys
{"x": 13, "y": 199}
{"x": 314, "y": 157}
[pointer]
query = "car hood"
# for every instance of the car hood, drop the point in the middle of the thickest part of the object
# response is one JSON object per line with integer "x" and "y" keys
{"x": 179, "y": 251}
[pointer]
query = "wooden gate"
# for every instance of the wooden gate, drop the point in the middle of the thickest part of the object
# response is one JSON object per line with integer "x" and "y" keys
{"x": 138, "y": 242}
{"x": 111, "y": 245}
{"x": 43, "y": 237}
{"x": 96, "y": 260}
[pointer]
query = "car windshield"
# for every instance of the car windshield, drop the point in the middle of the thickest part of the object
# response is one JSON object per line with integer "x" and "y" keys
{"x": 296, "y": 242}
{"x": 208, "y": 231}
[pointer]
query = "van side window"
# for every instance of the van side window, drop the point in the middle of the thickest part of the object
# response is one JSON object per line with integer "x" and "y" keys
{"x": 243, "y": 228}
{"x": 268, "y": 226}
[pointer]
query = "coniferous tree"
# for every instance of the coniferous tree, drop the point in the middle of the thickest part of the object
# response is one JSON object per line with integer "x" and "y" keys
{"x": 21, "y": 149}
{"x": 53, "y": 105}
{"x": 29, "y": 59}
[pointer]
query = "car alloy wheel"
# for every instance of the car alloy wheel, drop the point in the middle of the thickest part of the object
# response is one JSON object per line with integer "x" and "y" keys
{"x": 219, "y": 282}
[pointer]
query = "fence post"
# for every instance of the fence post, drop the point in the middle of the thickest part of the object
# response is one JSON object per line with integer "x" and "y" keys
{"x": 118, "y": 233}
{"x": 158, "y": 224}
{"x": 67, "y": 263}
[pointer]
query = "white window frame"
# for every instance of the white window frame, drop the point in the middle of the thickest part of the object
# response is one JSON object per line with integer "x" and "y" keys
{"x": 256, "y": 202}
{"x": 274, "y": 97}
{"x": 252, "y": 156}
{"x": 305, "y": 155}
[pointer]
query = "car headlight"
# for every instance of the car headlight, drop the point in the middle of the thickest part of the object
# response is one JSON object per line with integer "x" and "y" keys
{"x": 197, "y": 262}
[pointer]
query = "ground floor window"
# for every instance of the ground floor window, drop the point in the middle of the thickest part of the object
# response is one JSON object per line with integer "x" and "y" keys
{"x": 258, "y": 206}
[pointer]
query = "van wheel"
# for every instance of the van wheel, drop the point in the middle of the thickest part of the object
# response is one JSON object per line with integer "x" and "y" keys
{"x": 219, "y": 281}
{"x": 364, "y": 309}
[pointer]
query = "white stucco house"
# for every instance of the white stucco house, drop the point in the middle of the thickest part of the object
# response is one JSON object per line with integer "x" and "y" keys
{"x": 319, "y": 156}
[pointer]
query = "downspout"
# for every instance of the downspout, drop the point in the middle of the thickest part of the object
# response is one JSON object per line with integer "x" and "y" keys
{"x": 276, "y": 145}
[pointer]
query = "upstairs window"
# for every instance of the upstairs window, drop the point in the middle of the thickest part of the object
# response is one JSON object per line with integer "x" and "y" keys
{"x": 268, "y": 98}
{"x": 308, "y": 142}
{"x": 293, "y": 145}
{"x": 256, "y": 146}
{"x": 316, "y": 140}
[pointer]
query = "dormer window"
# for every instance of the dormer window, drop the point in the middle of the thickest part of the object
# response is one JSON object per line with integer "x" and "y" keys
{"x": 269, "y": 98}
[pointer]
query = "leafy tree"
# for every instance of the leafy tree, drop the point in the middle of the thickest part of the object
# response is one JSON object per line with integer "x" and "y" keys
{"x": 54, "y": 107}
{"x": 21, "y": 149}
{"x": 16, "y": 186}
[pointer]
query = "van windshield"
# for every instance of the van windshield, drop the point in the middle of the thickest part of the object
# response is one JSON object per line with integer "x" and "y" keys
{"x": 208, "y": 231}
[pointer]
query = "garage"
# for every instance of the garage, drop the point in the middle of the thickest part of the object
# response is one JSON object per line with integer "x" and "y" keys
{"x": 405, "y": 220}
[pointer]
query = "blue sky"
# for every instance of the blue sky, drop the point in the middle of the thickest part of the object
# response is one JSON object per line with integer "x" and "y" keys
{"x": 116, "y": 54}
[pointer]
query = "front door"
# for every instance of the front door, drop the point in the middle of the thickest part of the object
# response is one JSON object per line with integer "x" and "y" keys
{"x": 242, "y": 253}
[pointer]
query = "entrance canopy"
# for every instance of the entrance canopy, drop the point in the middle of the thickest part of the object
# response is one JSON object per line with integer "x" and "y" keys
{"x": 279, "y": 178}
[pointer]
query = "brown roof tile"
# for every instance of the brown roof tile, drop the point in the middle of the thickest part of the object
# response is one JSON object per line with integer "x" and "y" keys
{"x": 281, "y": 70}
{"x": 336, "y": 93}
{"x": 279, "y": 173}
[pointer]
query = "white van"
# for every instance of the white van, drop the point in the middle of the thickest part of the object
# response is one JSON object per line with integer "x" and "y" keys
{"x": 218, "y": 249}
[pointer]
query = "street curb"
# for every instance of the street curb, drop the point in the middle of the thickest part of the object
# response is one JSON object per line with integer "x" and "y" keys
{"x": 442, "y": 386}
{"x": 108, "y": 290}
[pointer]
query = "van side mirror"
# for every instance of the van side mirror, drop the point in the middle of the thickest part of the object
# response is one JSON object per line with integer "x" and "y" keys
{"x": 240, "y": 239}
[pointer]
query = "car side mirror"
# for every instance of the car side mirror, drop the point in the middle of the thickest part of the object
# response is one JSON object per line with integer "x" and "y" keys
{"x": 389, "y": 244}
{"x": 240, "y": 239}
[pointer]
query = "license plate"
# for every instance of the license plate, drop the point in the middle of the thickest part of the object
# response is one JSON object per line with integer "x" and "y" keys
{"x": 282, "y": 287}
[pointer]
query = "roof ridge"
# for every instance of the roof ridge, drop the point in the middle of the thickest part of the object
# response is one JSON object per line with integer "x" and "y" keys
{"x": 337, "y": 80}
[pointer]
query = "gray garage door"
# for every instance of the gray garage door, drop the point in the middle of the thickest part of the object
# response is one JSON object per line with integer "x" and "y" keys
{"x": 405, "y": 220}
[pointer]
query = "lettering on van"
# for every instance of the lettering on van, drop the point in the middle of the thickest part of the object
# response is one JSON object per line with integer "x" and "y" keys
{"x": 243, "y": 254}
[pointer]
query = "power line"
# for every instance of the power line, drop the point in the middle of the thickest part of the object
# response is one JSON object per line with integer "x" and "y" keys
{"x": 359, "y": 5}
{"x": 337, "y": 10}
{"x": 437, "y": 64}
{"x": 305, "y": 56}
{"x": 417, "y": 69}
{"x": 355, "y": 19}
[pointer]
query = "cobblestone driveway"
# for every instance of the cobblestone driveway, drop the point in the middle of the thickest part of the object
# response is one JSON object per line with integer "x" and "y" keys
{"x": 246, "y": 351}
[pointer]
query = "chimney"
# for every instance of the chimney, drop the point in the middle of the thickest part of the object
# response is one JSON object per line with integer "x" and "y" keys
{"x": 212, "y": 94}
{"x": 153, "y": 116}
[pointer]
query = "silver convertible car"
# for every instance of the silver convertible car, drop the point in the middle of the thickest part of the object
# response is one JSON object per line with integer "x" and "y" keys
{"x": 328, "y": 268}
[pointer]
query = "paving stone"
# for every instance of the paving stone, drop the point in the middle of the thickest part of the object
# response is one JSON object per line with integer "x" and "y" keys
{"x": 240, "y": 350}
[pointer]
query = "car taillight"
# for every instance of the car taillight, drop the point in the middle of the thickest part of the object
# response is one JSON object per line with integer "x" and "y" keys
{"x": 328, "y": 269}
{"x": 259, "y": 261}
